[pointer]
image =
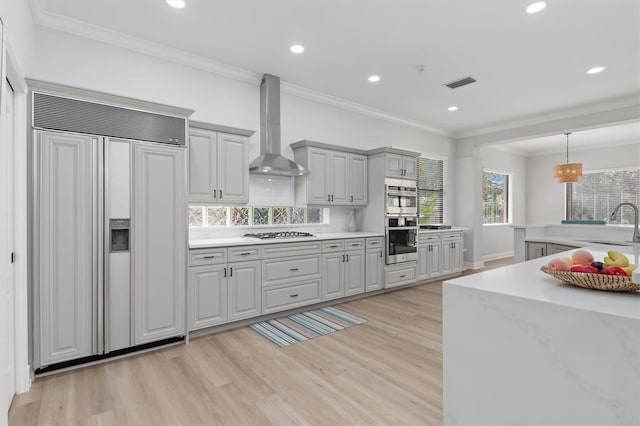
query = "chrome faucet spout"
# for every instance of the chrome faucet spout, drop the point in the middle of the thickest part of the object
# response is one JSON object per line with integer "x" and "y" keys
{"x": 636, "y": 230}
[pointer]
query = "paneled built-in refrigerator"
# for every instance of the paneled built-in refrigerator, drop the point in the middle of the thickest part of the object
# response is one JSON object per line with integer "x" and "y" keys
{"x": 110, "y": 236}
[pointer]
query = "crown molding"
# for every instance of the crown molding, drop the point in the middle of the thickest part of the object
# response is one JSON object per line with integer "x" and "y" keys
{"x": 170, "y": 54}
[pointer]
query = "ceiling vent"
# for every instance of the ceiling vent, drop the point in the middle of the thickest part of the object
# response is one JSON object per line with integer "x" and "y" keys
{"x": 460, "y": 82}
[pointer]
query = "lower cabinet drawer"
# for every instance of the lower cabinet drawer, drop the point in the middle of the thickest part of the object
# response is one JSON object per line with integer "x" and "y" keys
{"x": 306, "y": 267}
{"x": 398, "y": 276}
{"x": 287, "y": 297}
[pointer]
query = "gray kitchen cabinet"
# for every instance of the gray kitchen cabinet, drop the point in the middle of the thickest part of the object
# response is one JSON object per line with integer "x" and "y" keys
{"x": 208, "y": 296}
{"x": 451, "y": 256}
{"x": 429, "y": 259}
{"x": 354, "y": 272}
{"x": 159, "y": 243}
{"x": 243, "y": 289}
{"x": 218, "y": 168}
{"x": 401, "y": 166}
{"x": 336, "y": 177}
{"x": 332, "y": 275}
{"x": 374, "y": 274}
{"x": 541, "y": 249}
{"x": 400, "y": 274}
{"x": 67, "y": 285}
{"x": 358, "y": 179}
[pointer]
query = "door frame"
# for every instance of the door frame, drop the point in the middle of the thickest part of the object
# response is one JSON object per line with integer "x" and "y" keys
{"x": 23, "y": 371}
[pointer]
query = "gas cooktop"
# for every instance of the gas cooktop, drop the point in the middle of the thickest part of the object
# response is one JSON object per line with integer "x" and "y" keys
{"x": 286, "y": 234}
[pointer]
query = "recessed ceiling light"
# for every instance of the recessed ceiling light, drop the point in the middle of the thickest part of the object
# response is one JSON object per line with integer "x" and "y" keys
{"x": 178, "y": 4}
{"x": 296, "y": 48}
{"x": 374, "y": 78}
{"x": 536, "y": 6}
{"x": 452, "y": 108}
{"x": 596, "y": 70}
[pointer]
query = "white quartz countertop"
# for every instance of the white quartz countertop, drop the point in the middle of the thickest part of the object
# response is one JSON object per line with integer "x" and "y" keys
{"x": 525, "y": 280}
{"x": 242, "y": 241}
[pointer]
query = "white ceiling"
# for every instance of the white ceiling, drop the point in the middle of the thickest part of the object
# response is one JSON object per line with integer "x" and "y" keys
{"x": 526, "y": 65}
{"x": 621, "y": 134}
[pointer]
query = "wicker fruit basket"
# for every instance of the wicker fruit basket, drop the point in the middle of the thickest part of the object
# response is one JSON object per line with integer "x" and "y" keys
{"x": 594, "y": 281}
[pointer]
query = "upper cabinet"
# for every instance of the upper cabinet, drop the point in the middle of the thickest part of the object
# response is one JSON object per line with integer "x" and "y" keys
{"x": 336, "y": 176}
{"x": 401, "y": 166}
{"x": 218, "y": 167}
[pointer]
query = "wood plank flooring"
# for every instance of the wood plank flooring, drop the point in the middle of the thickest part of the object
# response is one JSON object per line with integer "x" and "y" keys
{"x": 386, "y": 371}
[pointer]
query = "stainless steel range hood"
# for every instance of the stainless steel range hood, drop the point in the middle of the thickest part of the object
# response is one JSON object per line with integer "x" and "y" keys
{"x": 270, "y": 162}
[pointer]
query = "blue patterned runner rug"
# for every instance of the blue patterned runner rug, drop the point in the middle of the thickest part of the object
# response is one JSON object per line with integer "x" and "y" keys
{"x": 306, "y": 325}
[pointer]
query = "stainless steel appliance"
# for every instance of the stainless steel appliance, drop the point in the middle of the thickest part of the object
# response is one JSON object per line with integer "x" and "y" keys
{"x": 401, "y": 238}
{"x": 278, "y": 235}
{"x": 401, "y": 197}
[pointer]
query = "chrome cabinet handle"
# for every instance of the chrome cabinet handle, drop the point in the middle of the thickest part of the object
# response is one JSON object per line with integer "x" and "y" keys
{"x": 293, "y": 295}
{"x": 293, "y": 269}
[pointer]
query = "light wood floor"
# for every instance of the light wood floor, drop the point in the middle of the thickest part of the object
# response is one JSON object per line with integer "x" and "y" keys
{"x": 386, "y": 371}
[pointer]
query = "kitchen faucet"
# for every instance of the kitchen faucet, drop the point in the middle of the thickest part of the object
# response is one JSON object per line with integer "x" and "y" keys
{"x": 636, "y": 231}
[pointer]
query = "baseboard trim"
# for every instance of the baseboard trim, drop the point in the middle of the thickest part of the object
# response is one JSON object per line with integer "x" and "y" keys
{"x": 497, "y": 256}
{"x": 474, "y": 265}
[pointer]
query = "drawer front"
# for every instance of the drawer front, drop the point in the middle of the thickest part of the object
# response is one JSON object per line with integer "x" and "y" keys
{"x": 332, "y": 246}
{"x": 426, "y": 239}
{"x": 398, "y": 277}
{"x": 281, "y": 298}
{"x": 451, "y": 236}
{"x": 291, "y": 268}
{"x": 375, "y": 242}
{"x": 271, "y": 251}
{"x": 242, "y": 253}
{"x": 207, "y": 256}
{"x": 354, "y": 244}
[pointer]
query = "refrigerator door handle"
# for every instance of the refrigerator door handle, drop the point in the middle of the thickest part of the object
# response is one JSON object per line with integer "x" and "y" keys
{"x": 100, "y": 242}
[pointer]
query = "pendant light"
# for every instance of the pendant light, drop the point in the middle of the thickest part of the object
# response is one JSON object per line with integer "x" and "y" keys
{"x": 569, "y": 172}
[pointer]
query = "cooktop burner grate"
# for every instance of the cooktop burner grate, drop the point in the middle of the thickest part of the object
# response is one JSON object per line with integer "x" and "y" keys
{"x": 285, "y": 234}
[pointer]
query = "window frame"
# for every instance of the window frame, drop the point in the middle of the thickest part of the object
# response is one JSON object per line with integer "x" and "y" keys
{"x": 509, "y": 192}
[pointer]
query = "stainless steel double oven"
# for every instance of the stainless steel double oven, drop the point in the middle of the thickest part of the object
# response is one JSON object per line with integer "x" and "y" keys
{"x": 401, "y": 221}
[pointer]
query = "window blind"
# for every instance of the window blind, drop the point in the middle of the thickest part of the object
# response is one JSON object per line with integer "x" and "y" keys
{"x": 430, "y": 183}
{"x": 596, "y": 194}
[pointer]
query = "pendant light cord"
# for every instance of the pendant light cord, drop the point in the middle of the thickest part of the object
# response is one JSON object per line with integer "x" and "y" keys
{"x": 567, "y": 135}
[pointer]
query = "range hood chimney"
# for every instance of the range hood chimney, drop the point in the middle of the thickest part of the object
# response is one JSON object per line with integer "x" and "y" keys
{"x": 270, "y": 162}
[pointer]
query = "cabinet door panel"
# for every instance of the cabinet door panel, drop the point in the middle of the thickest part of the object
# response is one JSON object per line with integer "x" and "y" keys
{"x": 358, "y": 179}
{"x": 318, "y": 180}
{"x": 354, "y": 273}
{"x": 233, "y": 169}
{"x": 202, "y": 158}
{"x": 208, "y": 296}
{"x": 339, "y": 174}
{"x": 67, "y": 284}
{"x": 410, "y": 166}
{"x": 394, "y": 165}
{"x": 374, "y": 270}
{"x": 332, "y": 276}
{"x": 159, "y": 242}
{"x": 244, "y": 290}
{"x": 434, "y": 268}
{"x": 423, "y": 262}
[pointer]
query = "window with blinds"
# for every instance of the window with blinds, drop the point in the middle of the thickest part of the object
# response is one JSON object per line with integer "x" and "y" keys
{"x": 495, "y": 197}
{"x": 596, "y": 194}
{"x": 430, "y": 190}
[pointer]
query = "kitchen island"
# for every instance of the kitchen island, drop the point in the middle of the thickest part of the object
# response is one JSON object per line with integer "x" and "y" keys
{"x": 520, "y": 347}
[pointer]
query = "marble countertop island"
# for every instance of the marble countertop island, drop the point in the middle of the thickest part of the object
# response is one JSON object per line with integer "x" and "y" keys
{"x": 520, "y": 347}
